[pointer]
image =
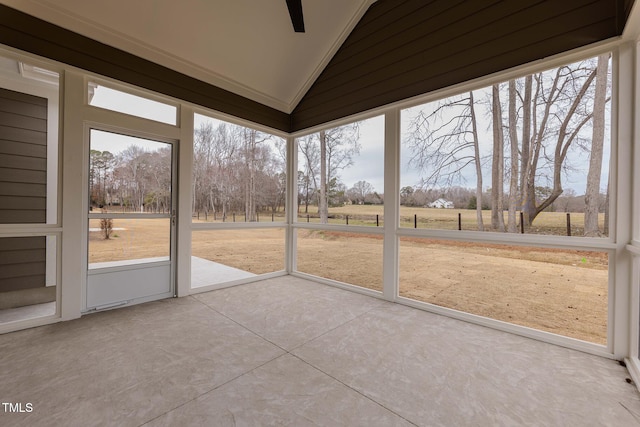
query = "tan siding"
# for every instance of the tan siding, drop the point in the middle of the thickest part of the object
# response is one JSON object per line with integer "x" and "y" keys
{"x": 21, "y": 283}
{"x": 23, "y": 216}
{"x": 23, "y": 176}
{"x": 21, "y": 189}
{"x": 23, "y": 158}
{"x": 9, "y": 202}
{"x": 8, "y": 133}
{"x": 22, "y": 122}
{"x": 22, "y": 263}
{"x": 22, "y": 162}
{"x": 23, "y": 149}
{"x": 15, "y": 257}
{"x": 26, "y": 107}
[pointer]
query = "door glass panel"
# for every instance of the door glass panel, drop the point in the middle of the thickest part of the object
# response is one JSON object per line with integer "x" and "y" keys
{"x": 129, "y": 240}
{"x": 128, "y": 174}
{"x": 129, "y": 200}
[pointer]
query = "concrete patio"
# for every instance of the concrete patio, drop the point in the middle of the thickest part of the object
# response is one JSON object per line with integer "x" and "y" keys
{"x": 289, "y": 351}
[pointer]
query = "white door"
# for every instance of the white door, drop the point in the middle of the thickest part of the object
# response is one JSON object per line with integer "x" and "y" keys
{"x": 131, "y": 220}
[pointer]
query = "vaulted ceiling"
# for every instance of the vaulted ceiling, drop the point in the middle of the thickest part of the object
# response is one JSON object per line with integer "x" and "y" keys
{"x": 243, "y": 58}
{"x": 245, "y": 46}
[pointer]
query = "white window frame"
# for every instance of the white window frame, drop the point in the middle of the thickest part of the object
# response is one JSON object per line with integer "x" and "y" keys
{"x": 51, "y": 229}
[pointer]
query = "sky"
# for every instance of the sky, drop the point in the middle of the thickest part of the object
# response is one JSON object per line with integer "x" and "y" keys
{"x": 116, "y": 143}
{"x": 110, "y": 99}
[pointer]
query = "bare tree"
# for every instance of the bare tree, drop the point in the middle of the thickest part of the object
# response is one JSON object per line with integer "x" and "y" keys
{"x": 592, "y": 195}
{"x": 202, "y": 162}
{"x": 338, "y": 146}
{"x": 100, "y": 168}
{"x": 323, "y": 203}
{"x": 558, "y": 116}
{"x": 444, "y": 142}
{"x": 361, "y": 190}
{"x": 132, "y": 173}
{"x": 159, "y": 178}
{"x": 513, "y": 173}
{"x": 237, "y": 169}
{"x": 497, "y": 163}
{"x": 310, "y": 155}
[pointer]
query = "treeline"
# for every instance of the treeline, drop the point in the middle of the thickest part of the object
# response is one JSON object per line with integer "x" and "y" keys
{"x": 465, "y": 198}
{"x": 132, "y": 180}
{"x": 237, "y": 170}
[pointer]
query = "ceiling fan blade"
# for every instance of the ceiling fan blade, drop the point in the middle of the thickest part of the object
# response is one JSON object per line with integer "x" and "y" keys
{"x": 295, "y": 10}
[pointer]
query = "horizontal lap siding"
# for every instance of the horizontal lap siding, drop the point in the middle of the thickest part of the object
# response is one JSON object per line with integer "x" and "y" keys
{"x": 402, "y": 49}
{"x": 22, "y": 263}
{"x": 23, "y": 158}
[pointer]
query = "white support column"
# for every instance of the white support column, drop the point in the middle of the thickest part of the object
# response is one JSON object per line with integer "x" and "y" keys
{"x": 634, "y": 340}
{"x": 291, "y": 206}
{"x": 391, "y": 203}
{"x": 620, "y": 273}
{"x": 634, "y": 115}
{"x": 183, "y": 193}
{"x": 74, "y": 204}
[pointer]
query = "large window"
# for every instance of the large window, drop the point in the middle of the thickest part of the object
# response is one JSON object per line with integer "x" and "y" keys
{"x": 341, "y": 184}
{"x": 239, "y": 181}
{"x": 219, "y": 256}
{"x": 528, "y": 155}
{"x": 341, "y": 174}
{"x": 239, "y": 173}
{"x": 554, "y": 290}
{"x": 353, "y": 258}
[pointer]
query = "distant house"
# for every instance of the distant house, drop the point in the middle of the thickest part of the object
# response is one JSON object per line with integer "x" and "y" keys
{"x": 441, "y": 204}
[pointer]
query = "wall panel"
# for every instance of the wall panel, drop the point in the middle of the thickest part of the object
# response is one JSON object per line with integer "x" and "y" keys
{"x": 23, "y": 158}
{"x": 22, "y": 263}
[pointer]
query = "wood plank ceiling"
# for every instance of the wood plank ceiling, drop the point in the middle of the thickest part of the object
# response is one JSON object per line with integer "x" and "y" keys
{"x": 399, "y": 49}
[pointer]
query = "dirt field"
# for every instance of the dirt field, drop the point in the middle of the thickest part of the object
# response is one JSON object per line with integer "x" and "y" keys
{"x": 559, "y": 291}
{"x": 415, "y": 217}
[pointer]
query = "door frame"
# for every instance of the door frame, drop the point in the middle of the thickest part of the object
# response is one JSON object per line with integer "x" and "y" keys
{"x": 116, "y": 272}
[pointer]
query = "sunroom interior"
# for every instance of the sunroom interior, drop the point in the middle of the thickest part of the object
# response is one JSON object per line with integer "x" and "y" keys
{"x": 207, "y": 152}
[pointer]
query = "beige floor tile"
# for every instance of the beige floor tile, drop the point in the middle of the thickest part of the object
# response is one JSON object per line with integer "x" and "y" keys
{"x": 284, "y": 392}
{"x": 124, "y": 367}
{"x": 433, "y": 370}
{"x": 366, "y": 362}
{"x": 289, "y": 311}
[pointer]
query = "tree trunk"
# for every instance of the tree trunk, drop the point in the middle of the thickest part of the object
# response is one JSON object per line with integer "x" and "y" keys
{"x": 497, "y": 163}
{"x": 513, "y": 140}
{"x": 592, "y": 195}
{"x": 525, "y": 170}
{"x": 323, "y": 208}
{"x": 478, "y": 164}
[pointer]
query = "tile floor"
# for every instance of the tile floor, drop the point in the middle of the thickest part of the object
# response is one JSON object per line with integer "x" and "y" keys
{"x": 288, "y": 351}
